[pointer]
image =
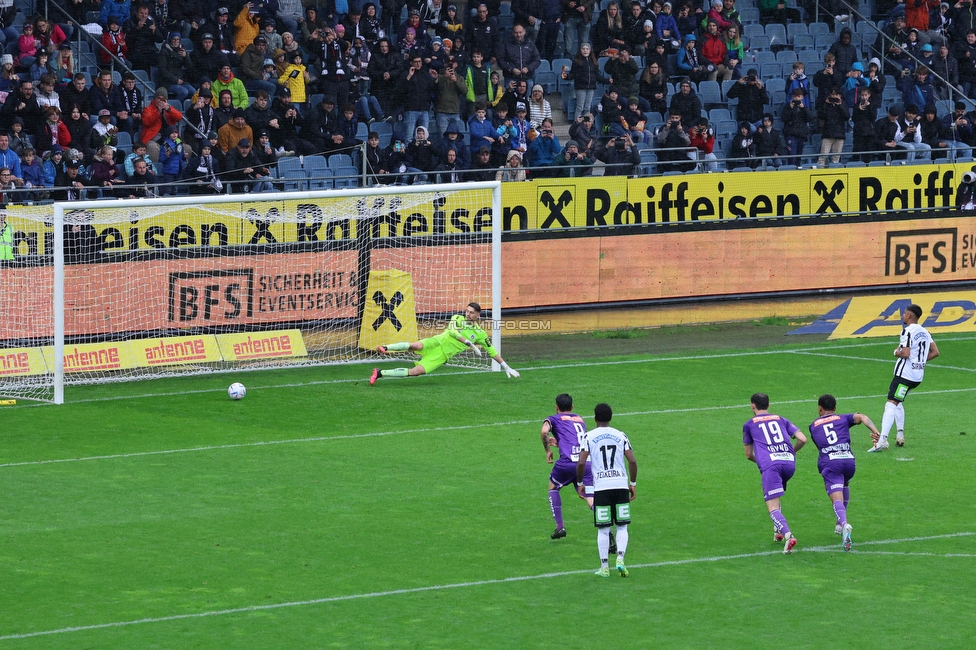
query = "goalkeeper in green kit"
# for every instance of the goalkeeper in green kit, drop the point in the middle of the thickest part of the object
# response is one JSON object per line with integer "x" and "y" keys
{"x": 462, "y": 332}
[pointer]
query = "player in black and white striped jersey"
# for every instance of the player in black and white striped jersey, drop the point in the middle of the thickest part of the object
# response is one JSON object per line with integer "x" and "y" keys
{"x": 915, "y": 349}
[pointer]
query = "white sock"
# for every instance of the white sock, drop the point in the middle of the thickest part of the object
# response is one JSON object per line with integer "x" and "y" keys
{"x": 603, "y": 543}
{"x": 622, "y": 537}
{"x": 900, "y": 419}
{"x": 887, "y": 420}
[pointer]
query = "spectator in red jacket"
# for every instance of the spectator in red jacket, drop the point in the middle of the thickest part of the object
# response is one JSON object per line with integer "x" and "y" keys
{"x": 154, "y": 116}
{"x": 714, "y": 52}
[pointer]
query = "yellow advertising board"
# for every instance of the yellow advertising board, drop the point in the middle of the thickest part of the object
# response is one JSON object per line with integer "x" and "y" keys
{"x": 262, "y": 345}
{"x": 877, "y": 316}
{"x": 93, "y": 357}
{"x": 390, "y": 314}
{"x": 15, "y": 362}
{"x": 175, "y": 350}
{"x": 548, "y": 204}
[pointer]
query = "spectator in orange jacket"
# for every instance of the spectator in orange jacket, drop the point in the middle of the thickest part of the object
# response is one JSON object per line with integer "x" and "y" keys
{"x": 158, "y": 112}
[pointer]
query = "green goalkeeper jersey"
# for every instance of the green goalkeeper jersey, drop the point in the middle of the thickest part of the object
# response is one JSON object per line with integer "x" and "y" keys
{"x": 458, "y": 325}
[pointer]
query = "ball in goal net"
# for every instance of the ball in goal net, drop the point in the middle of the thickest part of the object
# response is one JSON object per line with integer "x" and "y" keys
{"x": 105, "y": 291}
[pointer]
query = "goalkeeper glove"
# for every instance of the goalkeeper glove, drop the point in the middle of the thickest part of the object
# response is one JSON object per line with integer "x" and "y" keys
{"x": 473, "y": 346}
{"x": 509, "y": 371}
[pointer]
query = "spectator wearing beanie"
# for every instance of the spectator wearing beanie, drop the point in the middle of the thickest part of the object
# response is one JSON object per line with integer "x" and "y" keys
{"x": 158, "y": 114}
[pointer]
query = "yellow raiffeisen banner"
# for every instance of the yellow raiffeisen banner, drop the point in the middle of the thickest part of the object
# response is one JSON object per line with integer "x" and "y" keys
{"x": 544, "y": 204}
{"x": 876, "y": 316}
{"x": 390, "y": 314}
{"x": 145, "y": 353}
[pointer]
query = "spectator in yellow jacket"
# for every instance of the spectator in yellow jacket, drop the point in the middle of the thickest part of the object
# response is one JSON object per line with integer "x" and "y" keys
{"x": 246, "y": 27}
{"x": 295, "y": 77}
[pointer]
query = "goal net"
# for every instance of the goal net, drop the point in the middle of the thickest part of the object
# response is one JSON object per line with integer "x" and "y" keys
{"x": 104, "y": 291}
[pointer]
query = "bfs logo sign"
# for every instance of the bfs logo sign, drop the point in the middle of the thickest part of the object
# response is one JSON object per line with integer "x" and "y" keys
{"x": 211, "y": 297}
{"x": 927, "y": 252}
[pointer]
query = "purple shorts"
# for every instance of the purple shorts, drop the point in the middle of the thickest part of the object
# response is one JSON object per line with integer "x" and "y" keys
{"x": 837, "y": 474}
{"x": 774, "y": 479}
{"x": 564, "y": 472}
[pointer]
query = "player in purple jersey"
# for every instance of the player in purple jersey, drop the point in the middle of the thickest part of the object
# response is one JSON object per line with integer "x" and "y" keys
{"x": 831, "y": 433}
{"x": 766, "y": 438}
{"x": 565, "y": 430}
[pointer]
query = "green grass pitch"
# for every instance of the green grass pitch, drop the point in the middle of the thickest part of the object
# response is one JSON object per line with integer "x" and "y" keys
{"x": 321, "y": 513}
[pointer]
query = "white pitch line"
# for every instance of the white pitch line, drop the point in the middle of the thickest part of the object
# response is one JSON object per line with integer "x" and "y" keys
{"x": 841, "y": 356}
{"x": 458, "y": 427}
{"x": 467, "y": 372}
{"x": 456, "y": 585}
{"x": 906, "y": 553}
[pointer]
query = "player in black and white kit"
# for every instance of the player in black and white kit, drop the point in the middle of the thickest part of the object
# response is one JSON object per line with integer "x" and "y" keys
{"x": 915, "y": 349}
{"x": 607, "y": 448}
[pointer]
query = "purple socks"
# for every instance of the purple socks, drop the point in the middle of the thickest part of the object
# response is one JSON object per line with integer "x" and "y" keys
{"x": 779, "y": 522}
{"x": 841, "y": 511}
{"x": 556, "y": 503}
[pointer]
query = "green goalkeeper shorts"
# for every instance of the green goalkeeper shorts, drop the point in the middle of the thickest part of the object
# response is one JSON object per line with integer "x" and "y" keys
{"x": 432, "y": 356}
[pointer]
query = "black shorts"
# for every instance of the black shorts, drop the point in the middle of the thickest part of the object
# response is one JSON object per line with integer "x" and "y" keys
{"x": 898, "y": 390}
{"x": 611, "y": 507}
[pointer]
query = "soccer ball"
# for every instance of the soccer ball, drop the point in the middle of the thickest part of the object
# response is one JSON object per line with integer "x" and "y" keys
{"x": 236, "y": 390}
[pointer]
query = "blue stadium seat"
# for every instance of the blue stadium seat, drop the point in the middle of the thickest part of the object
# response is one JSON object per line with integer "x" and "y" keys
{"x": 717, "y": 115}
{"x": 803, "y": 42}
{"x": 336, "y": 160}
{"x": 786, "y": 57}
{"x": 295, "y": 180}
{"x": 547, "y": 80}
{"x": 289, "y": 163}
{"x": 750, "y": 31}
{"x": 346, "y": 177}
{"x": 749, "y": 15}
{"x": 770, "y": 70}
{"x": 710, "y": 94}
{"x": 777, "y": 35}
{"x": 824, "y": 41}
{"x": 795, "y": 29}
{"x": 313, "y": 164}
{"x": 321, "y": 179}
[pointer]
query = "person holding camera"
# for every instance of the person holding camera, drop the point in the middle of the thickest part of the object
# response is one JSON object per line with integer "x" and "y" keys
{"x": 543, "y": 148}
{"x": 864, "y": 116}
{"x": 959, "y": 130}
{"x": 673, "y": 143}
{"x": 157, "y": 115}
{"x": 702, "y": 138}
{"x": 834, "y": 116}
{"x": 853, "y": 83}
{"x": 908, "y": 134}
{"x": 796, "y": 126}
{"x": 142, "y": 36}
{"x": 916, "y": 88}
{"x": 619, "y": 156}
{"x": 568, "y": 163}
{"x": 752, "y": 97}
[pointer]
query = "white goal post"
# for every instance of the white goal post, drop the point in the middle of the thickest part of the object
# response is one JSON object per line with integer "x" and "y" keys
{"x": 105, "y": 291}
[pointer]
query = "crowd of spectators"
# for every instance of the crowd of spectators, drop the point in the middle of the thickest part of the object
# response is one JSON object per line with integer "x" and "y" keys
{"x": 453, "y": 91}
